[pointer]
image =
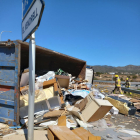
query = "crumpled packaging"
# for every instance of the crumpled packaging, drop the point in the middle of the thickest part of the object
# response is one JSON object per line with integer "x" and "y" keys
{"x": 39, "y": 96}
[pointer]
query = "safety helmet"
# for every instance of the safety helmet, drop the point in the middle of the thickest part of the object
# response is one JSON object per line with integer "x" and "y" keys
{"x": 126, "y": 78}
{"x": 116, "y": 76}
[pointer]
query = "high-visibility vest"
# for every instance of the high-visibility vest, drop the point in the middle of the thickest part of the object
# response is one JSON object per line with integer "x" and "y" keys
{"x": 127, "y": 84}
{"x": 118, "y": 83}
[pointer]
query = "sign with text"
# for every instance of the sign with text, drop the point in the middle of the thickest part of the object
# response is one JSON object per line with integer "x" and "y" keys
{"x": 26, "y": 5}
{"x": 32, "y": 19}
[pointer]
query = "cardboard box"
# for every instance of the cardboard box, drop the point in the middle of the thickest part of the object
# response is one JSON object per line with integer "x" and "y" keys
{"x": 63, "y": 81}
{"x": 94, "y": 109}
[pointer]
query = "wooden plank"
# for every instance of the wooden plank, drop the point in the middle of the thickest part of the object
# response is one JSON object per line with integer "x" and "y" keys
{"x": 50, "y": 135}
{"x": 59, "y": 89}
{"x": 63, "y": 133}
{"x": 62, "y": 121}
{"x": 82, "y": 133}
{"x": 56, "y": 89}
{"x": 61, "y": 99}
{"x": 94, "y": 138}
{"x": 51, "y": 82}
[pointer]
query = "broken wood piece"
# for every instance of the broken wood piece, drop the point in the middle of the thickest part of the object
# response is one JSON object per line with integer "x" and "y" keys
{"x": 59, "y": 87}
{"x": 94, "y": 138}
{"x": 61, "y": 99}
{"x": 24, "y": 125}
{"x": 84, "y": 134}
{"x": 50, "y": 135}
{"x": 71, "y": 121}
{"x": 56, "y": 92}
{"x": 42, "y": 121}
{"x": 49, "y": 83}
{"x": 83, "y": 87}
{"x": 62, "y": 121}
{"x": 61, "y": 133}
{"x": 65, "y": 111}
{"x": 52, "y": 114}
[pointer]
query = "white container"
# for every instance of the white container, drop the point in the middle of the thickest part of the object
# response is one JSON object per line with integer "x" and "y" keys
{"x": 114, "y": 110}
{"x": 89, "y": 75}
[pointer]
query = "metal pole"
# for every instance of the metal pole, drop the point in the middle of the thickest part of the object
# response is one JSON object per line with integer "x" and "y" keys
{"x": 31, "y": 87}
{"x": 2, "y": 32}
{"x": 0, "y": 36}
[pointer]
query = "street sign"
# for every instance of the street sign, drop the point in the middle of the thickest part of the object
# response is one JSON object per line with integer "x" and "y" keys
{"x": 112, "y": 73}
{"x": 26, "y": 5}
{"x": 32, "y": 17}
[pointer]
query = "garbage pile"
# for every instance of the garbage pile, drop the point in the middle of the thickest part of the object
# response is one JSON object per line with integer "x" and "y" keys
{"x": 69, "y": 107}
{"x": 62, "y": 98}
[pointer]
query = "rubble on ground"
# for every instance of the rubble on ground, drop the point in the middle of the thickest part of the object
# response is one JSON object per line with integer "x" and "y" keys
{"x": 71, "y": 108}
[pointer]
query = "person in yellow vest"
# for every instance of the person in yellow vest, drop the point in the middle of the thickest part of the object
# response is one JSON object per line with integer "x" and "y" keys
{"x": 127, "y": 85}
{"x": 117, "y": 84}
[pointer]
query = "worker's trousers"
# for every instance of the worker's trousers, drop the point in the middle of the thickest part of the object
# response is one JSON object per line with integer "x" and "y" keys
{"x": 117, "y": 88}
{"x": 128, "y": 92}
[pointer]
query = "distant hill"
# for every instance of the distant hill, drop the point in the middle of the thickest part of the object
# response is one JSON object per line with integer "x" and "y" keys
{"x": 105, "y": 69}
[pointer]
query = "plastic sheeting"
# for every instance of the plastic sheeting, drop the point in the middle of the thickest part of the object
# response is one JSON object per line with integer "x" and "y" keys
{"x": 82, "y": 93}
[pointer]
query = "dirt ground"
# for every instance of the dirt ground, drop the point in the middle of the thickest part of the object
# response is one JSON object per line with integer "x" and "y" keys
{"x": 38, "y": 135}
{"x": 130, "y": 122}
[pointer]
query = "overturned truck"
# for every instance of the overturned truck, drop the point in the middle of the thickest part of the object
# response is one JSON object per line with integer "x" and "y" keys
{"x": 14, "y": 58}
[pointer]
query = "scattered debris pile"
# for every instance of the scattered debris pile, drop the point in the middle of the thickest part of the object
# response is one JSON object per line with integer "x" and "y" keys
{"x": 69, "y": 108}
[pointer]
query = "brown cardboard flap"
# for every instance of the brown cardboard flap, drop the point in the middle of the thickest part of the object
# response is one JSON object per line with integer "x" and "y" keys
{"x": 93, "y": 109}
{"x": 82, "y": 104}
{"x": 100, "y": 113}
{"x": 63, "y": 81}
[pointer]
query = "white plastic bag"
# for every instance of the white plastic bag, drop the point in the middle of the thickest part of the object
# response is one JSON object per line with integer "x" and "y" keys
{"x": 48, "y": 76}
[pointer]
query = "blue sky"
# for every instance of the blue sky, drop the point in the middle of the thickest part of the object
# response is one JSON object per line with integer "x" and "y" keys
{"x": 101, "y": 32}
